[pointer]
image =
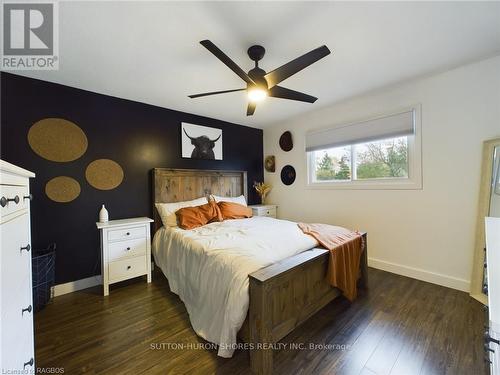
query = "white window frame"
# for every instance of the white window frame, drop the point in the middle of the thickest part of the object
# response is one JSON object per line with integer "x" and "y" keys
{"x": 412, "y": 182}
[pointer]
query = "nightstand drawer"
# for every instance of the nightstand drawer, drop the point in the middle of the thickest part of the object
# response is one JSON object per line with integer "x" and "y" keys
{"x": 269, "y": 212}
{"x": 127, "y": 233}
{"x": 127, "y": 268}
{"x": 262, "y": 211}
{"x": 126, "y": 249}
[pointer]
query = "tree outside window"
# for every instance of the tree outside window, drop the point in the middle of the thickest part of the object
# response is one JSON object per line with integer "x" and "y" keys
{"x": 373, "y": 160}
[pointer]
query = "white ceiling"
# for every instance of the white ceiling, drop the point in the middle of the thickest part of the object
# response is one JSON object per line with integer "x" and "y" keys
{"x": 149, "y": 51}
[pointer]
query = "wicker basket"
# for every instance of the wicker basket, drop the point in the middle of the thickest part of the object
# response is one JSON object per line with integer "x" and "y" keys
{"x": 43, "y": 265}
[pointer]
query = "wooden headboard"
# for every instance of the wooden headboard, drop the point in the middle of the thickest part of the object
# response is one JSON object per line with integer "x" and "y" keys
{"x": 177, "y": 185}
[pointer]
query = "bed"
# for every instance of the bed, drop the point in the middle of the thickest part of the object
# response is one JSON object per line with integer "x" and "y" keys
{"x": 226, "y": 274}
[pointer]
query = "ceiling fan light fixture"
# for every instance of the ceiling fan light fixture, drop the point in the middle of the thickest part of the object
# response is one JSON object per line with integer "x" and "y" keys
{"x": 257, "y": 94}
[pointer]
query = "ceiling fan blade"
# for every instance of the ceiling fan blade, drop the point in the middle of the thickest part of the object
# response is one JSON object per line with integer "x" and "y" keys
{"x": 251, "y": 108}
{"x": 227, "y": 61}
{"x": 214, "y": 93}
{"x": 284, "y": 93}
{"x": 294, "y": 66}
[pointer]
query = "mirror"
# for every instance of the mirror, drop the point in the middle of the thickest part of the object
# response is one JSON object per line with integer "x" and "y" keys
{"x": 489, "y": 205}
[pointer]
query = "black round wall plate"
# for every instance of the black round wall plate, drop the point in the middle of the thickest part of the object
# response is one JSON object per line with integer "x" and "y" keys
{"x": 288, "y": 175}
{"x": 286, "y": 142}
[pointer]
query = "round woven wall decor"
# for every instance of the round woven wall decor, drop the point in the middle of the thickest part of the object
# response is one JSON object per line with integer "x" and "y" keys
{"x": 57, "y": 139}
{"x": 104, "y": 174}
{"x": 62, "y": 189}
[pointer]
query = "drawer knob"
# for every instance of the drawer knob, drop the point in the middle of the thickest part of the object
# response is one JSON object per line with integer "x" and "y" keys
{"x": 4, "y": 201}
{"x": 28, "y": 309}
{"x": 129, "y": 267}
{"x": 29, "y": 196}
{"x": 27, "y": 248}
{"x": 128, "y": 248}
{"x": 29, "y": 363}
{"x": 488, "y": 338}
{"x": 128, "y": 233}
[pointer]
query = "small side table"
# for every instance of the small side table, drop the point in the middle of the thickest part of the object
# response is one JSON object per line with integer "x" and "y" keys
{"x": 264, "y": 210}
{"x": 125, "y": 250}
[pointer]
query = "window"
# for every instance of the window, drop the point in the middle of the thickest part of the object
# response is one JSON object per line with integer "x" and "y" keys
{"x": 387, "y": 158}
{"x": 375, "y": 154}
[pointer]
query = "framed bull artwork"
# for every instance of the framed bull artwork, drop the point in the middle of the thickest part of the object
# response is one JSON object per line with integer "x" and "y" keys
{"x": 201, "y": 142}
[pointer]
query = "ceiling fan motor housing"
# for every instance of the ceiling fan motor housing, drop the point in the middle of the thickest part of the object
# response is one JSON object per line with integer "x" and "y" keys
{"x": 256, "y": 53}
{"x": 257, "y": 74}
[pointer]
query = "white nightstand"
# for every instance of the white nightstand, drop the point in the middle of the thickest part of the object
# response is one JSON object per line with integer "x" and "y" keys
{"x": 125, "y": 250}
{"x": 264, "y": 210}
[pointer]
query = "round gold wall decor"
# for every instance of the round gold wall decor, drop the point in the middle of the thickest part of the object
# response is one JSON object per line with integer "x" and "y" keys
{"x": 270, "y": 163}
{"x": 104, "y": 174}
{"x": 57, "y": 139}
{"x": 62, "y": 189}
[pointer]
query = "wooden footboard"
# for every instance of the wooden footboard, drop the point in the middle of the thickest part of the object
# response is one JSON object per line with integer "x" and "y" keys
{"x": 284, "y": 295}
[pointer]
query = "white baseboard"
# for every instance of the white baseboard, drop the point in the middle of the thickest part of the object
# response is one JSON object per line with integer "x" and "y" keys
{"x": 73, "y": 286}
{"x": 415, "y": 273}
{"x": 420, "y": 274}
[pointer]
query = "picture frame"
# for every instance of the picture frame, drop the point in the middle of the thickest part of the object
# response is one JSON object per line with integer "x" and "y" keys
{"x": 201, "y": 142}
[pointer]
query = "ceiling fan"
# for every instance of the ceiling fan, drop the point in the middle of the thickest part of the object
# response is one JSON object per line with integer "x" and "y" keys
{"x": 261, "y": 84}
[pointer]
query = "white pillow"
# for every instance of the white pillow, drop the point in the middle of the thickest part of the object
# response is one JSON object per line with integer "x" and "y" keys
{"x": 167, "y": 210}
{"x": 240, "y": 200}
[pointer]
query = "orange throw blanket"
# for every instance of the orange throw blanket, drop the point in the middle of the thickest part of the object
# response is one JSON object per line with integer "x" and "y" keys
{"x": 345, "y": 255}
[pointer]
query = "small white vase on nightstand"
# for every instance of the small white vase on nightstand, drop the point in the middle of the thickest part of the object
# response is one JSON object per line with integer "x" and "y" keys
{"x": 103, "y": 215}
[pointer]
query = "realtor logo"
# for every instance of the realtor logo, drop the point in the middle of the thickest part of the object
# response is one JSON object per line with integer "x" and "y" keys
{"x": 29, "y": 36}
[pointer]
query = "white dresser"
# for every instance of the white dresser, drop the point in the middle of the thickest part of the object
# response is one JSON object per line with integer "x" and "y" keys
{"x": 125, "y": 250}
{"x": 269, "y": 210}
{"x": 492, "y": 335}
{"x": 16, "y": 310}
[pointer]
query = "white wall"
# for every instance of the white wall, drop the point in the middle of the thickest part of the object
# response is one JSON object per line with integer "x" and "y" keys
{"x": 427, "y": 234}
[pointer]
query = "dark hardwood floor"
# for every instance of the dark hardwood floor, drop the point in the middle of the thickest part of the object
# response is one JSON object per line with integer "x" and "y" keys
{"x": 398, "y": 326}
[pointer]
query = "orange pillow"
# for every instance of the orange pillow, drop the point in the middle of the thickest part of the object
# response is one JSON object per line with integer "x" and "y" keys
{"x": 194, "y": 217}
{"x": 231, "y": 210}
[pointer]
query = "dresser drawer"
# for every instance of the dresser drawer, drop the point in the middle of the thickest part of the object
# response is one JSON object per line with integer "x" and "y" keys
{"x": 17, "y": 332}
{"x": 126, "y": 249}
{"x": 13, "y": 192}
{"x": 15, "y": 264}
{"x": 18, "y": 348}
{"x": 127, "y": 233}
{"x": 127, "y": 268}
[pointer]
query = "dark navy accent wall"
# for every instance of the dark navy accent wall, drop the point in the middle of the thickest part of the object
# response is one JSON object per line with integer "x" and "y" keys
{"x": 137, "y": 136}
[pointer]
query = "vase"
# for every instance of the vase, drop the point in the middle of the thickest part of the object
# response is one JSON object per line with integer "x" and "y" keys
{"x": 103, "y": 215}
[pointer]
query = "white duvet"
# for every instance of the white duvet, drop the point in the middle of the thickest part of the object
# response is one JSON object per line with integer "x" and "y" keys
{"x": 208, "y": 268}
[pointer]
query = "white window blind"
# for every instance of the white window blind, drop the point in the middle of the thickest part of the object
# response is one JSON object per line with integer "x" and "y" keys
{"x": 392, "y": 126}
